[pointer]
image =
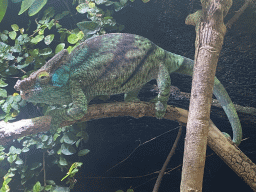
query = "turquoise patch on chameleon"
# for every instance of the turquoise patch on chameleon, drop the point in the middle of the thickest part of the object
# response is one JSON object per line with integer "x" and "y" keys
{"x": 60, "y": 77}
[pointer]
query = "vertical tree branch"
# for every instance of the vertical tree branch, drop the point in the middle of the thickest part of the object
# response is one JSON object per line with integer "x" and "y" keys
{"x": 210, "y": 31}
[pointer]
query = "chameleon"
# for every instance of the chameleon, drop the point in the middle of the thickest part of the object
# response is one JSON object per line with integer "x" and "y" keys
{"x": 111, "y": 64}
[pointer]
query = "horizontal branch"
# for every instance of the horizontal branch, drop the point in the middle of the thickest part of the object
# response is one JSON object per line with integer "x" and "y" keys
{"x": 231, "y": 155}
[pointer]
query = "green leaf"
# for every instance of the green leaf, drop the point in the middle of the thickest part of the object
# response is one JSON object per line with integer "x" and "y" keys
{"x": 50, "y": 182}
{"x": 29, "y": 60}
{"x": 108, "y": 3}
{"x": 3, "y": 7}
{"x": 25, "y": 5}
{"x": 23, "y": 39}
{"x": 70, "y": 49}
{"x": 2, "y": 101}
{"x": 130, "y": 190}
{"x": 19, "y": 162}
{"x": 22, "y": 66}
{"x": 58, "y": 26}
{"x": 78, "y": 141}
{"x": 15, "y": 27}
{"x": 63, "y": 161}
{"x": 35, "y": 165}
{"x": 11, "y": 158}
{"x": 12, "y": 35}
{"x": 59, "y": 47}
{"x": 34, "y": 52}
{"x": 37, "y": 39}
{"x": 3, "y": 93}
{"x": 16, "y": 48}
{"x": 60, "y": 16}
{"x": 14, "y": 150}
{"x": 15, "y": 106}
{"x": 41, "y": 31}
{"x": 48, "y": 13}
{"x": 44, "y": 138}
{"x": 91, "y": 4}
{"x": 2, "y": 157}
{"x": 39, "y": 145}
{"x": 16, "y": 97}
{"x": 62, "y": 37}
{"x": 88, "y": 27}
{"x": 50, "y": 140}
{"x": 80, "y": 35}
{"x": 36, "y": 7}
{"x": 74, "y": 171}
{"x": 25, "y": 149}
{"x": 108, "y": 17}
{"x": 50, "y": 24}
{"x": 100, "y": 1}
{"x": 72, "y": 39}
{"x": 83, "y": 152}
{"x": 55, "y": 136}
{"x": 46, "y": 51}
{"x": 83, "y": 8}
{"x": 69, "y": 138}
{"x": 47, "y": 187}
{"x": 67, "y": 149}
{"x": 37, "y": 187}
{"x": 48, "y": 39}
{"x": 9, "y": 57}
{"x": 4, "y": 37}
{"x": 123, "y": 2}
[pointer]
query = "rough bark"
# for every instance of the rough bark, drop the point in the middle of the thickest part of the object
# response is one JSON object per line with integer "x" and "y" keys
{"x": 210, "y": 32}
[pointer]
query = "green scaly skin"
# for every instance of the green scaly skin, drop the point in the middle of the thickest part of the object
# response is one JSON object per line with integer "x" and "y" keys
{"x": 107, "y": 65}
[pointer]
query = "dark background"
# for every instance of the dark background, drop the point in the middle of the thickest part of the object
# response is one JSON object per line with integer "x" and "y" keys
{"x": 112, "y": 140}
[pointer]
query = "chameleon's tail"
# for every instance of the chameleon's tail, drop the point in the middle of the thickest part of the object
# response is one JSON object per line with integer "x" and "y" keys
{"x": 222, "y": 96}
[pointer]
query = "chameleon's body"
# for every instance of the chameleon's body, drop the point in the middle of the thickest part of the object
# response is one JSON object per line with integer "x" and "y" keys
{"x": 106, "y": 65}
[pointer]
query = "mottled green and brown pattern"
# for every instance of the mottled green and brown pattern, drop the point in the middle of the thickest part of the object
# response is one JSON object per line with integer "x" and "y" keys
{"x": 106, "y": 65}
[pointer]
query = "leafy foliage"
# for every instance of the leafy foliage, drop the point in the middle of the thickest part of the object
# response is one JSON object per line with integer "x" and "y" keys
{"x": 20, "y": 50}
{"x": 22, "y": 163}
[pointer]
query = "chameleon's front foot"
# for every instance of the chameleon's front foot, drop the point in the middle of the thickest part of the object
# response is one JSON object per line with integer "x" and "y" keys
{"x": 160, "y": 109}
{"x": 59, "y": 115}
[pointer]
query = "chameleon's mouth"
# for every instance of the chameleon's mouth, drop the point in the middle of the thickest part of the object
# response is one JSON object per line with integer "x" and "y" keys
{"x": 24, "y": 95}
{"x": 28, "y": 94}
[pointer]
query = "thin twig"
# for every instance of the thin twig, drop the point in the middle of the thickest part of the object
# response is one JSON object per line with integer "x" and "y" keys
{"x": 238, "y": 13}
{"x": 161, "y": 174}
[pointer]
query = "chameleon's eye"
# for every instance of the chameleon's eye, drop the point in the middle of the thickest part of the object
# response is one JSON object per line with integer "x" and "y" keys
{"x": 43, "y": 77}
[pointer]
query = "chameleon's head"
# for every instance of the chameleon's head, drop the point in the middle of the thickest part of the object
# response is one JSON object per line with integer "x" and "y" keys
{"x": 45, "y": 84}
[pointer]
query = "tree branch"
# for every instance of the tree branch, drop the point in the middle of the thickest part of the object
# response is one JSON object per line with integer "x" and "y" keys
{"x": 238, "y": 13}
{"x": 230, "y": 154}
{"x": 210, "y": 32}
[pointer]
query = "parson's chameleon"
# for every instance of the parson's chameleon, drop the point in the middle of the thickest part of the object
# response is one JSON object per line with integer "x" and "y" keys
{"x": 111, "y": 64}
